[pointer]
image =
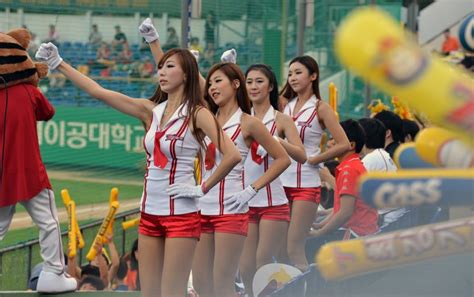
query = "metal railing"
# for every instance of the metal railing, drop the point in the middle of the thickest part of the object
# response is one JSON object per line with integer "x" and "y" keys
{"x": 31, "y": 244}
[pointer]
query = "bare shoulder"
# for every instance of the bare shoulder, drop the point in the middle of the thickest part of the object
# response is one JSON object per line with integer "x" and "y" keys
{"x": 247, "y": 121}
{"x": 283, "y": 119}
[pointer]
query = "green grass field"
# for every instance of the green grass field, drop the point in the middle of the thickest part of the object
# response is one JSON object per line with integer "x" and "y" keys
{"x": 84, "y": 193}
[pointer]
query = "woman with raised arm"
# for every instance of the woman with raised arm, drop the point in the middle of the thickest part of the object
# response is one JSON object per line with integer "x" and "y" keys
{"x": 176, "y": 123}
{"x": 269, "y": 213}
{"x": 301, "y": 180}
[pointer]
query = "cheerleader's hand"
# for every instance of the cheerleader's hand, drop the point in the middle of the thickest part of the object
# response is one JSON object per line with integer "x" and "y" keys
{"x": 229, "y": 56}
{"x": 49, "y": 53}
{"x": 240, "y": 200}
{"x": 180, "y": 190}
{"x": 148, "y": 31}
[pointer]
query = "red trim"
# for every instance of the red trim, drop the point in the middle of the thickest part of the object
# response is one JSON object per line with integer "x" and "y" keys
{"x": 174, "y": 161}
{"x": 302, "y": 131}
{"x": 148, "y": 156}
{"x": 221, "y": 196}
{"x": 265, "y": 168}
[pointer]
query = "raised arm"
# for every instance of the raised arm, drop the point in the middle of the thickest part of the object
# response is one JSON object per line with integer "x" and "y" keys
{"x": 328, "y": 117}
{"x": 292, "y": 142}
{"x": 140, "y": 109}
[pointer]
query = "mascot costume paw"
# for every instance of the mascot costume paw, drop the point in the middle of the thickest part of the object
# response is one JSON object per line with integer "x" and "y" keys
{"x": 23, "y": 177}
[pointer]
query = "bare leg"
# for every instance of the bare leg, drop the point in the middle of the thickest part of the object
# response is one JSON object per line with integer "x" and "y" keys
{"x": 247, "y": 266}
{"x": 150, "y": 264}
{"x": 273, "y": 235}
{"x": 178, "y": 259}
{"x": 228, "y": 248}
{"x": 203, "y": 264}
{"x": 303, "y": 214}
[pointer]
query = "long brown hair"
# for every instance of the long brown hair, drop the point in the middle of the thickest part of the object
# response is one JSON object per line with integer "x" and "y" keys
{"x": 232, "y": 72}
{"x": 313, "y": 67}
{"x": 192, "y": 95}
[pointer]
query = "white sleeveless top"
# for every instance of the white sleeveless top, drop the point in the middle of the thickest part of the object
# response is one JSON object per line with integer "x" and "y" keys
{"x": 304, "y": 175}
{"x": 272, "y": 194}
{"x": 213, "y": 203}
{"x": 180, "y": 149}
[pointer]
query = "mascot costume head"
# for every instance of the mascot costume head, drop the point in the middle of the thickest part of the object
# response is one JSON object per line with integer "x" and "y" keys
{"x": 16, "y": 66}
{"x": 23, "y": 177}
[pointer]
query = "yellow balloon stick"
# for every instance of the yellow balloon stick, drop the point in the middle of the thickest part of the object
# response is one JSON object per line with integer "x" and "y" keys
{"x": 371, "y": 43}
{"x": 130, "y": 223}
{"x": 343, "y": 259}
{"x": 100, "y": 238}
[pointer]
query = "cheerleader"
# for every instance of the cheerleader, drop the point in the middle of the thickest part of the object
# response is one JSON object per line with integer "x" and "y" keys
{"x": 301, "y": 180}
{"x": 269, "y": 213}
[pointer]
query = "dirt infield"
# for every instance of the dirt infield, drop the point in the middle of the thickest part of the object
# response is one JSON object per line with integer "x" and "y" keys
{"x": 68, "y": 175}
{"x": 90, "y": 211}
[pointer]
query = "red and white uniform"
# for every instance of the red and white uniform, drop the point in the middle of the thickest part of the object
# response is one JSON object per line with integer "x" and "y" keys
{"x": 213, "y": 203}
{"x": 179, "y": 149}
{"x": 306, "y": 120}
{"x": 272, "y": 194}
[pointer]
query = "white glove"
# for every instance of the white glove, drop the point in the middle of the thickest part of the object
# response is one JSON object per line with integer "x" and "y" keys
{"x": 48, "y": 53}
{"x": 241, "y": 199}
{"x": 229, "y": 56}
{"x": 179, "y": 190}
{"x": 148, "y": 31}
{"x": 195, "y": 54}
{"x": 261, "y": 150}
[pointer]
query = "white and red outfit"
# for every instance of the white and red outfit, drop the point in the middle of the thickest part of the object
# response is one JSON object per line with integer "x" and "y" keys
{"x": 301, "y": 181}
{"x": 24, "y": 179}
{"x": 170, "y": 151}
{"x": 215, "y": 215}
{"x": 270, "y": 202}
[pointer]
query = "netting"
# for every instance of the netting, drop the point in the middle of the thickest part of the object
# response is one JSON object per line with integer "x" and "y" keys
{"x": 85, "y": 136}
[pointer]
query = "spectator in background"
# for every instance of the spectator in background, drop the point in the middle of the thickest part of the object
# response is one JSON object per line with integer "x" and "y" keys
{"x": 172, "y": 40}
{"x": 147, "y": 68}
{"x": 450, "y": 43}
{"x": 125, "y": 55}
{"x": 53, "y": 35}
{"x": 133, "y": 279}
{"x": 410, "y": 130}
{"x": 210, "y": 31}
{"x": 95, "y": 37}
{"x": 34, "y": 44}
{"x": 120, "y": 276}
{"x": 394, "y": 134}
{"x": 119, "y": 39}
{"x": 194, "y": 45}
{"x": 91, "y": 283}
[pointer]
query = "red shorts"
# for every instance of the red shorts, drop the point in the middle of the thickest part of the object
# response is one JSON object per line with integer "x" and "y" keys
{"x": 303, "y": 194}
{"x": 232, "y": 223}
{"x": 184, "y": 225}
{"x": 272, "y": 213}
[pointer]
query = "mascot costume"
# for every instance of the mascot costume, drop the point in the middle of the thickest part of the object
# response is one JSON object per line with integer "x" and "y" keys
{"x": 23, "y": 177}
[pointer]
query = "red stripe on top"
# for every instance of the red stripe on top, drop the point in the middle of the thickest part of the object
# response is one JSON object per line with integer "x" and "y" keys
{"x": 174, "y": 162}
{"x": 303, "y": 129}
{"x": 222, "y": 183}
{"x": 265, "y": 168}
{"x": 148, "y": 156}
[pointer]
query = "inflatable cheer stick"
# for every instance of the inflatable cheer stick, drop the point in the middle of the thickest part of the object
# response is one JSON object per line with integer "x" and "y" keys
{"x": 342, "y": 259}
{"x": 114, "y": 192}
{"x": 100, "y": 237}
{"x": 416, "y": 187}
{"x": 73, "y": 224}
{"x": 130, "y": 223}
{"x": 406, "y": 157}
{"x": 371, "y": 43}
{"x": 443, "y": 148}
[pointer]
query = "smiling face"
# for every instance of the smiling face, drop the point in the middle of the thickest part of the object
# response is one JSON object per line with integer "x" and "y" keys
{"x": 258, "y": 86}
{"x": 221, "y": 89}
{"x": 171, "y": 75}
{"x": 299, "y": 77}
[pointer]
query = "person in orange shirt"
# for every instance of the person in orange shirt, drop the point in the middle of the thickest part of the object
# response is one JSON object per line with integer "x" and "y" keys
{"x": 450, "y": 43}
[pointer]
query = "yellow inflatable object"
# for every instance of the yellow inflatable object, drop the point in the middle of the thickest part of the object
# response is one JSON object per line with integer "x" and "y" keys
{"x": 130, "y": 223}
{"x": 342, "y": 259}
{"x": 443, "y": 148}
{"x": 114, "y": 192}
{"x": 100, "y": 237}
{"x": 72, "y": 244}
{"x": 372, "y": 44}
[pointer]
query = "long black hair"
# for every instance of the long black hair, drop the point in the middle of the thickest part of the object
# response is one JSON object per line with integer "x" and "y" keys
{"x": 313, "y": 67}
{"x": 268, "y": 72}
